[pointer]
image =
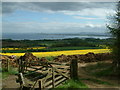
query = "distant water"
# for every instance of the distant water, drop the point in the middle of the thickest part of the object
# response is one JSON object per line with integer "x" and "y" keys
{"x": 31, "y": 36}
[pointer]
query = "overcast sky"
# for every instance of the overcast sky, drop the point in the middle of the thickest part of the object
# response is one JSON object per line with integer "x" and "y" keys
{"x": 55, "y": 17}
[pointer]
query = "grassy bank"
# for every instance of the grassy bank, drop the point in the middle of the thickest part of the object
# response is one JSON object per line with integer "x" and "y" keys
{"x": 12, "y": 71}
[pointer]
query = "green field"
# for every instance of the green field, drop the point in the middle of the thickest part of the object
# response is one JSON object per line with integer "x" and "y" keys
{"x": 50, "y": 49}
{"x": 55, "y": 45}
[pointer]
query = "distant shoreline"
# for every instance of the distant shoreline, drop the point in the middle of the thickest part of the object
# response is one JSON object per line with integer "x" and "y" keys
{"x": 45, "y": 36}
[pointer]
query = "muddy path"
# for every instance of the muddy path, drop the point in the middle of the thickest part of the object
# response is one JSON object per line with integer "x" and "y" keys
{"x": 10, "y": 82}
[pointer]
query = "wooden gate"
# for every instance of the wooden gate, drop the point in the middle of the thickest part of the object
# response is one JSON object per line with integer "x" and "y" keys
{"x": 43, "y": 74}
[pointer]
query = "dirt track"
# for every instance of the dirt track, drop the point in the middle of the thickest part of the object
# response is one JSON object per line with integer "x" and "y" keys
{"x": 10, "y": 82}
{"x": 90, "y": 84}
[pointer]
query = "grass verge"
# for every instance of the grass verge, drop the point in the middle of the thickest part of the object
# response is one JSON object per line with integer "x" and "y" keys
{"x": 12, "y": 71}
{"x": 72, "y": 84}
{"x": 100, "y": 69}
{"x": 97, "y": 81}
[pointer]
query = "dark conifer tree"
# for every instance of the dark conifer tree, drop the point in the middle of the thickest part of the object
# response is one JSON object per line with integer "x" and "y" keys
{"x": 114, "y": 29}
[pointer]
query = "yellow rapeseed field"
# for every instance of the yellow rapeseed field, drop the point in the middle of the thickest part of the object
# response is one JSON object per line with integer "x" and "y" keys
{"x": 56, "y": 53}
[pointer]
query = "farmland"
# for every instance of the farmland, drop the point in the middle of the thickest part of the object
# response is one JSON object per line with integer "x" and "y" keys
{"x": 22, "y": 46}
{"x": 48, "y": 48}
{"x": 84, "y": 50}
{"x": 56, "y": 53}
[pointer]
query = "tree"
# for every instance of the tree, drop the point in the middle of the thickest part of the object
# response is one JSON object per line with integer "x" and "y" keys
{"x": 114, "y": 29}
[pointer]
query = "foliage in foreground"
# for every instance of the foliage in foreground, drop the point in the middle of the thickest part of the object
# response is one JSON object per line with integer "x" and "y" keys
{"x": 114, "y": 28}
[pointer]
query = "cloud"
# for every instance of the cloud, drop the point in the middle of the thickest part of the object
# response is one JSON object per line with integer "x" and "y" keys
{"x": 79, "y": 17}
{"x": 9, "y": 7}
{"x": 99, "y": 12}
{"x": 60, "y": 1}
{"x": 53, "y": 27}
{"x": 78, "y": 10}
{"x": 45, "y": 18}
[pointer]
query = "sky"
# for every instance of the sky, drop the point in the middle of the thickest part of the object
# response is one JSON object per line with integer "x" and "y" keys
{"x": 56, "y": 17}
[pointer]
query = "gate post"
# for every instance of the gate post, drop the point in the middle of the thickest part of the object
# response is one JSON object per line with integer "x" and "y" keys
{"x": 21, "y": 80}
{"x": 74, "y": 69}
{"x": 7, "y": 65}
{"x": 20, "y": 65}
{"x": 40, "y": 85}
{"x": 53, "y": 77}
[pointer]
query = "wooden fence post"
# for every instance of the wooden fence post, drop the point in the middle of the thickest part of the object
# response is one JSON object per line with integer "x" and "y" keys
{"x": 74, "y": 69}
{"x": 40, "y": 85}
{"x": 20, "y": 66}
{"x": 53, "y": 78}
{"x": 26, "y": 66}
{"x": 23, "y": 66}
{"x": 21, "y": 79}
{"x": 7, "y": 65}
